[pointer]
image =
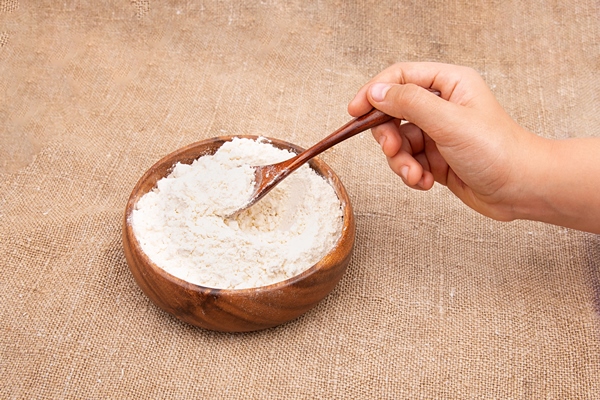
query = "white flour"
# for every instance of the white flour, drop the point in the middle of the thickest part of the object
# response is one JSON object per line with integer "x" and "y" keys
{"x": 179, "y": 224}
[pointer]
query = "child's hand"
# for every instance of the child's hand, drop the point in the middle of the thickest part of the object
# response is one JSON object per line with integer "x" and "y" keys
{"x": 466, "y": 141}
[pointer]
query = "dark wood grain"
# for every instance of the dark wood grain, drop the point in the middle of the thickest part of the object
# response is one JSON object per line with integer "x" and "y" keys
{"x": 244, "y": 309}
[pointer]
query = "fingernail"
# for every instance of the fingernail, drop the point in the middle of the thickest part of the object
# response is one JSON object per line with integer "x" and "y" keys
{"x": 378, "y": 91}
{"x": 404, "y": 173}
{"x": 421, "y": 182}
{"x": 382, "y": 139}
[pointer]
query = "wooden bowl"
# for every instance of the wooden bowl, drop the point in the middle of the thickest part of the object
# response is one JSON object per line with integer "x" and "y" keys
{"x": 236, "y": 310}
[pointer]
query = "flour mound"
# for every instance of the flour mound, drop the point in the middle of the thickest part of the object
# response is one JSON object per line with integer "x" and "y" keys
{"x": 180, "y": 223}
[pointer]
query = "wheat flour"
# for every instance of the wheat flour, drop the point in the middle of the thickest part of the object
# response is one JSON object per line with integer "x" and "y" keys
{"x": 179, "y": 224}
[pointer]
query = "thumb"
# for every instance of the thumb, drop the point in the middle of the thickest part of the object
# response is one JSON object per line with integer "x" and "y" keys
{"x": 418, "y": 105}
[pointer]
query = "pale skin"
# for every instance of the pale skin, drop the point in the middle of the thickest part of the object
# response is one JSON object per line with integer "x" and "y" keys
{"x": 464, "y": 140}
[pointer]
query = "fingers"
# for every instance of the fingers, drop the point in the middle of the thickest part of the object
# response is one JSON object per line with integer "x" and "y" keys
{"x": 419, "y": 106}
{"x": 360, "y": 105}
{"x": 437, "y": 164}
{"x": 411, "y": 170}
{"x": 442, "y": 77}
{"x": 388, "y": 137}
{"x": 462, "y": 86}
{"x": 406, "y": 148}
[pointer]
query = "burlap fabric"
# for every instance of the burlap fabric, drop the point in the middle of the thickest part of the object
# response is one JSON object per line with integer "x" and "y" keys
{"x": 438, "y": 302}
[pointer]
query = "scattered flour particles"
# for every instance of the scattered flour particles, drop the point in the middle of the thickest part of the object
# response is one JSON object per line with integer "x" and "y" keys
{"x": 180, "y": 224}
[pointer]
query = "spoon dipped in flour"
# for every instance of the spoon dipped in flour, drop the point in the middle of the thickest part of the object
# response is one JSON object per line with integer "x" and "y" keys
{"x": 266, "y": 177}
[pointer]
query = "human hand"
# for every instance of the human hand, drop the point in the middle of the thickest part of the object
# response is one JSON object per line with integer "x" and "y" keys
{"x": 464, "y": 140}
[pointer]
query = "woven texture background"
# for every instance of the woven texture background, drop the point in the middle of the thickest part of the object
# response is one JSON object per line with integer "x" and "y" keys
{"x": 438, "y": 302}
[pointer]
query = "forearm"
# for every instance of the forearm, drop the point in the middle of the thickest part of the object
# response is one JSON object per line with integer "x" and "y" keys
{"x": 564, "y": 188}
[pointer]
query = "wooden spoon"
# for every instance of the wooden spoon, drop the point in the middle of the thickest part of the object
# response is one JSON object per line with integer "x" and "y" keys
{"x": 268, "y": 176}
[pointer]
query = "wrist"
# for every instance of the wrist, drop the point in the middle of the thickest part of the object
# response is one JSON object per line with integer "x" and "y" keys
{"x": 532, "y": 177}
{"x": 559, "y": 185}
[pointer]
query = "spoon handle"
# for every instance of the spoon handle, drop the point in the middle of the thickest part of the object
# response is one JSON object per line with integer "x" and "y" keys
{"x": 353, "y": 127}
